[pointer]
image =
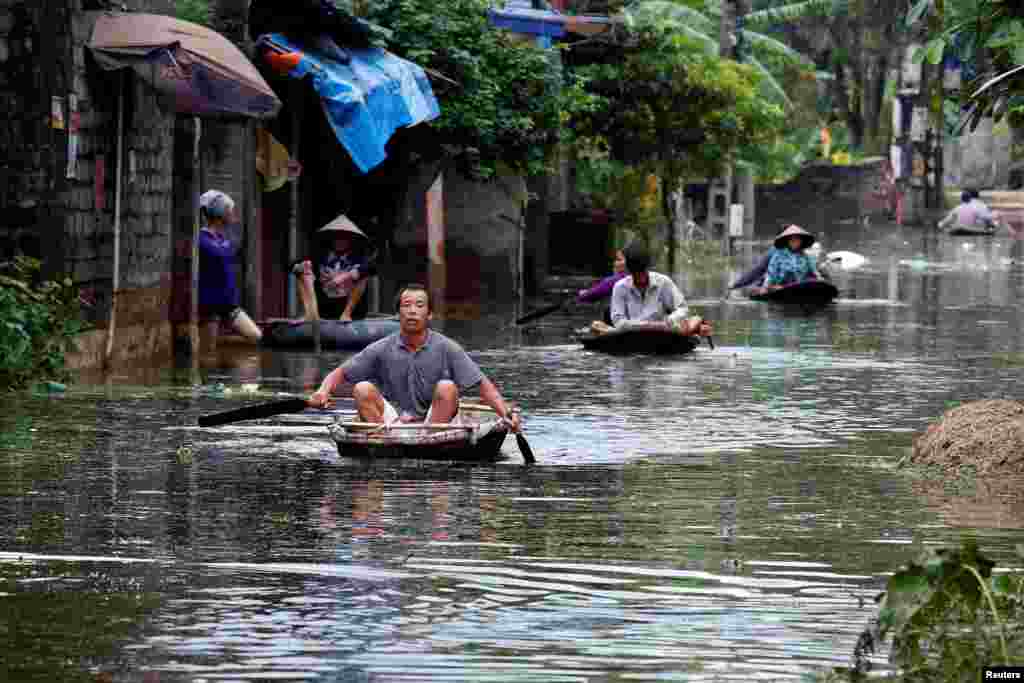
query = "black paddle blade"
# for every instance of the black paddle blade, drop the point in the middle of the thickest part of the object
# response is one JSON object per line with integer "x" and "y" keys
{"x": 711, "y": 343}
{"x": 539, "y": 313}
{"x": 289, "y": 405}
{"x": 525, "y": 449}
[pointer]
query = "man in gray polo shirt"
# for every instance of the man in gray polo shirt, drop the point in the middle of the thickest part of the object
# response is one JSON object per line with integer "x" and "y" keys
{"x": 650, "y": 299}
{"x": 413, "y": 375}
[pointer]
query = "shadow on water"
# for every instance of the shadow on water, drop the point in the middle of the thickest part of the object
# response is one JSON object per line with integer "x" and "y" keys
{"x": 717, "y": 516}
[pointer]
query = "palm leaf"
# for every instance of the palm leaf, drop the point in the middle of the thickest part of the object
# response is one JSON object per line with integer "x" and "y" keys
{"x": 998, "y": 79}
{"x": 793, "y": 12}
{"x": 670, "y": 11}
{"x": 769, "y": 43}
{"x": 769, "y": 80}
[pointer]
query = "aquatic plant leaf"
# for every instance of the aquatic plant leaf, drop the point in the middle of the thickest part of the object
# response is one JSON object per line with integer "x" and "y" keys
{"x": 907, "y": 591}
{"x": 1003, "y": 584}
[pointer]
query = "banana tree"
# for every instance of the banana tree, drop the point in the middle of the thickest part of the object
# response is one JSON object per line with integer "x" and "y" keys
{"x": 989, "y": 35}
{"x": 856, "y": 41}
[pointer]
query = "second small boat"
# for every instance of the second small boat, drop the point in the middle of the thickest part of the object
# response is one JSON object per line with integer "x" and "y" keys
{"x": 806, "y": 293}
{"x": 634, "y": 340}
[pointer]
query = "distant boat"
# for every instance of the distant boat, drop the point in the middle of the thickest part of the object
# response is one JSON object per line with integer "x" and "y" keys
{"x": 964, "y": 231}
{"x": 634, "y": 340}
{"x": 806, "y": 293}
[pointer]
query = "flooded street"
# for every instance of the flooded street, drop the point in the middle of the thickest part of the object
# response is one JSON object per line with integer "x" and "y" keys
{"x": 727, "y": 515}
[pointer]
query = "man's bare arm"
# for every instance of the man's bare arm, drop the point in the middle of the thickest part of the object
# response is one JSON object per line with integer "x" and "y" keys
{"x": 331, "y": 381}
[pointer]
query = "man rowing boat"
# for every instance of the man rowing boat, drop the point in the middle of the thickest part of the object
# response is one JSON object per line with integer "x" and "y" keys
{"x": 647, "y": 299}
{"x": 413, "y": 375}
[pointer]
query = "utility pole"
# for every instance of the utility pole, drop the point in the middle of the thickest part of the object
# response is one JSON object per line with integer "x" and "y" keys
{"x": 720, "y": 190}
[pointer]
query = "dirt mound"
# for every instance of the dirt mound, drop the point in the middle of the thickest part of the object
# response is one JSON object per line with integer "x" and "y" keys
{"x": 985, "y": 435}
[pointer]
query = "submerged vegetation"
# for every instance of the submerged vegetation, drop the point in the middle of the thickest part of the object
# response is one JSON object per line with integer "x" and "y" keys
{"x": 945, "y": 616}
{"x": 39, "y": 320}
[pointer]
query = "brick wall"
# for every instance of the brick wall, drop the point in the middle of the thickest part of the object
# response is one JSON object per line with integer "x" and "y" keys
{"x": 68, "y": 220}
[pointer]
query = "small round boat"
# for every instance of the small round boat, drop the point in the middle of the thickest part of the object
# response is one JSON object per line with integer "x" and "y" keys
{"x": 633, "y": 340}
{"x": 963, "y": 231}
{"x": 806, "y": 293}
{"x": 477, "y": 438}
{"x": 334, "y": 334}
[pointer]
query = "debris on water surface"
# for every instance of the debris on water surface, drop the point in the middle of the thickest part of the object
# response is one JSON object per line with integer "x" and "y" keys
{"x": 987, "y": 436}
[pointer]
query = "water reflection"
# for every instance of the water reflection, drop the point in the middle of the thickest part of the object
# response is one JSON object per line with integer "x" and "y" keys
{"x": 712, "y": 517}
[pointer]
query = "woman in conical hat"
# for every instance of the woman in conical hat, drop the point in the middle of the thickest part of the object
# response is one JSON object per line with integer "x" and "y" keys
{"x": 344, "y": 270}
{"x": 789, "y": 261}
{"x": 341, "y": 273}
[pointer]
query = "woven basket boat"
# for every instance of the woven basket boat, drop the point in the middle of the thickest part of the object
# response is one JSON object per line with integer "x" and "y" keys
{"x": 806, "y": 293}
{"x": 478, "y": 438}
{"x": 639, "y": 341}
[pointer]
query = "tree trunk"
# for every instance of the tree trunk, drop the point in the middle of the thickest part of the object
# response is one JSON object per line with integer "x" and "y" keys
{"x": 668, "y": 208}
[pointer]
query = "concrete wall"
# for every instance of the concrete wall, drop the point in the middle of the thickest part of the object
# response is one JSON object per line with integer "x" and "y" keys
{"x": 825, "y": 194}
{"x": 978, "y": 159}
{"x": 69, "y": 221}
{"x": 481, "y": 243}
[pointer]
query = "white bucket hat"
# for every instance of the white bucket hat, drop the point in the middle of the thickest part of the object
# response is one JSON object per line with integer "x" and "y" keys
{"x": 216, "y": 203}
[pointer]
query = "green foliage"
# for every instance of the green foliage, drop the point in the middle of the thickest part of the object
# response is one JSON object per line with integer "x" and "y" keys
{"x": 196, "y": 11}
{"x": 980, "y": 31}
{"x": 669, "y": 105}
{"x": 503, "y": 100}
{"x": 948, "y": 616}
{"x": 37, "y": 324}
{"x": 700, "y": 21}
{"x": 773, "y": 14}
{"x": 630, "y": 194}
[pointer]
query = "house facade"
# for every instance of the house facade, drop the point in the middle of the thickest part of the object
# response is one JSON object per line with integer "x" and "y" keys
{"x": 58, "y": 164}
{"x": 59, "y": 174}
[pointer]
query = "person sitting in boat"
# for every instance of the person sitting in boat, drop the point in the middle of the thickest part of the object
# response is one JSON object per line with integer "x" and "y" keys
{"x": 413, "y": 375}
{"x": 602, "y": 289}
{"x": 789, "y": 262}
{"x": 971, "y": 213}
{"x": 650, "y": 300}
{"x": 343, "y": 272}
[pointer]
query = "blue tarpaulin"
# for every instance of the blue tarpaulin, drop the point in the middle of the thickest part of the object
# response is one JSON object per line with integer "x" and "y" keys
{"x": 366, "y": 99}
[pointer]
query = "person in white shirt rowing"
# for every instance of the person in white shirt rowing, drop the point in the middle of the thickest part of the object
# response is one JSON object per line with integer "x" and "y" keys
{"x": 650, "y": 300}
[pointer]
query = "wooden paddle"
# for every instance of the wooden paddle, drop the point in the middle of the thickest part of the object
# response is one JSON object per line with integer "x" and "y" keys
{"x": 524, "y": 445}
{"x": 541, "y": 312}
{"x": 260, "y": 410}
{"x": 525, "y": 449}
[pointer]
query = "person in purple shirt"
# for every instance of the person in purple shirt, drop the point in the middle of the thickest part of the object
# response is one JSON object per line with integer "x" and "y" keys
{"x": 218, "y": 288}
{"x": 602, "y": 290}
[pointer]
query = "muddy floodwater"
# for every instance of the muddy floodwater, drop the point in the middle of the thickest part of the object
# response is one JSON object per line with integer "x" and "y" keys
{"x": 728, "y": 515}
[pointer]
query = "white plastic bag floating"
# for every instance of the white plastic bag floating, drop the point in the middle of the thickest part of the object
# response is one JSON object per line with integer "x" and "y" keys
{"x": 845, "y": 260}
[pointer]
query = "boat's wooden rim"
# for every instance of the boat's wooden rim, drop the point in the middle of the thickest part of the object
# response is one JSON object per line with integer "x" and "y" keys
{"x": 406, "y": 425}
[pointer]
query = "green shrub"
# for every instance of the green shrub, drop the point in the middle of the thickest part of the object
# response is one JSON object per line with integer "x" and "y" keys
{"x": 38, "y": 320}
{"x": 948, "y": 615}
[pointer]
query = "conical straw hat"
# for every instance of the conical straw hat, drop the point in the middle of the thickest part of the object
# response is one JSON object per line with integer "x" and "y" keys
{"x": 783, "y": 237}
{"x": 343, "y": 224}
